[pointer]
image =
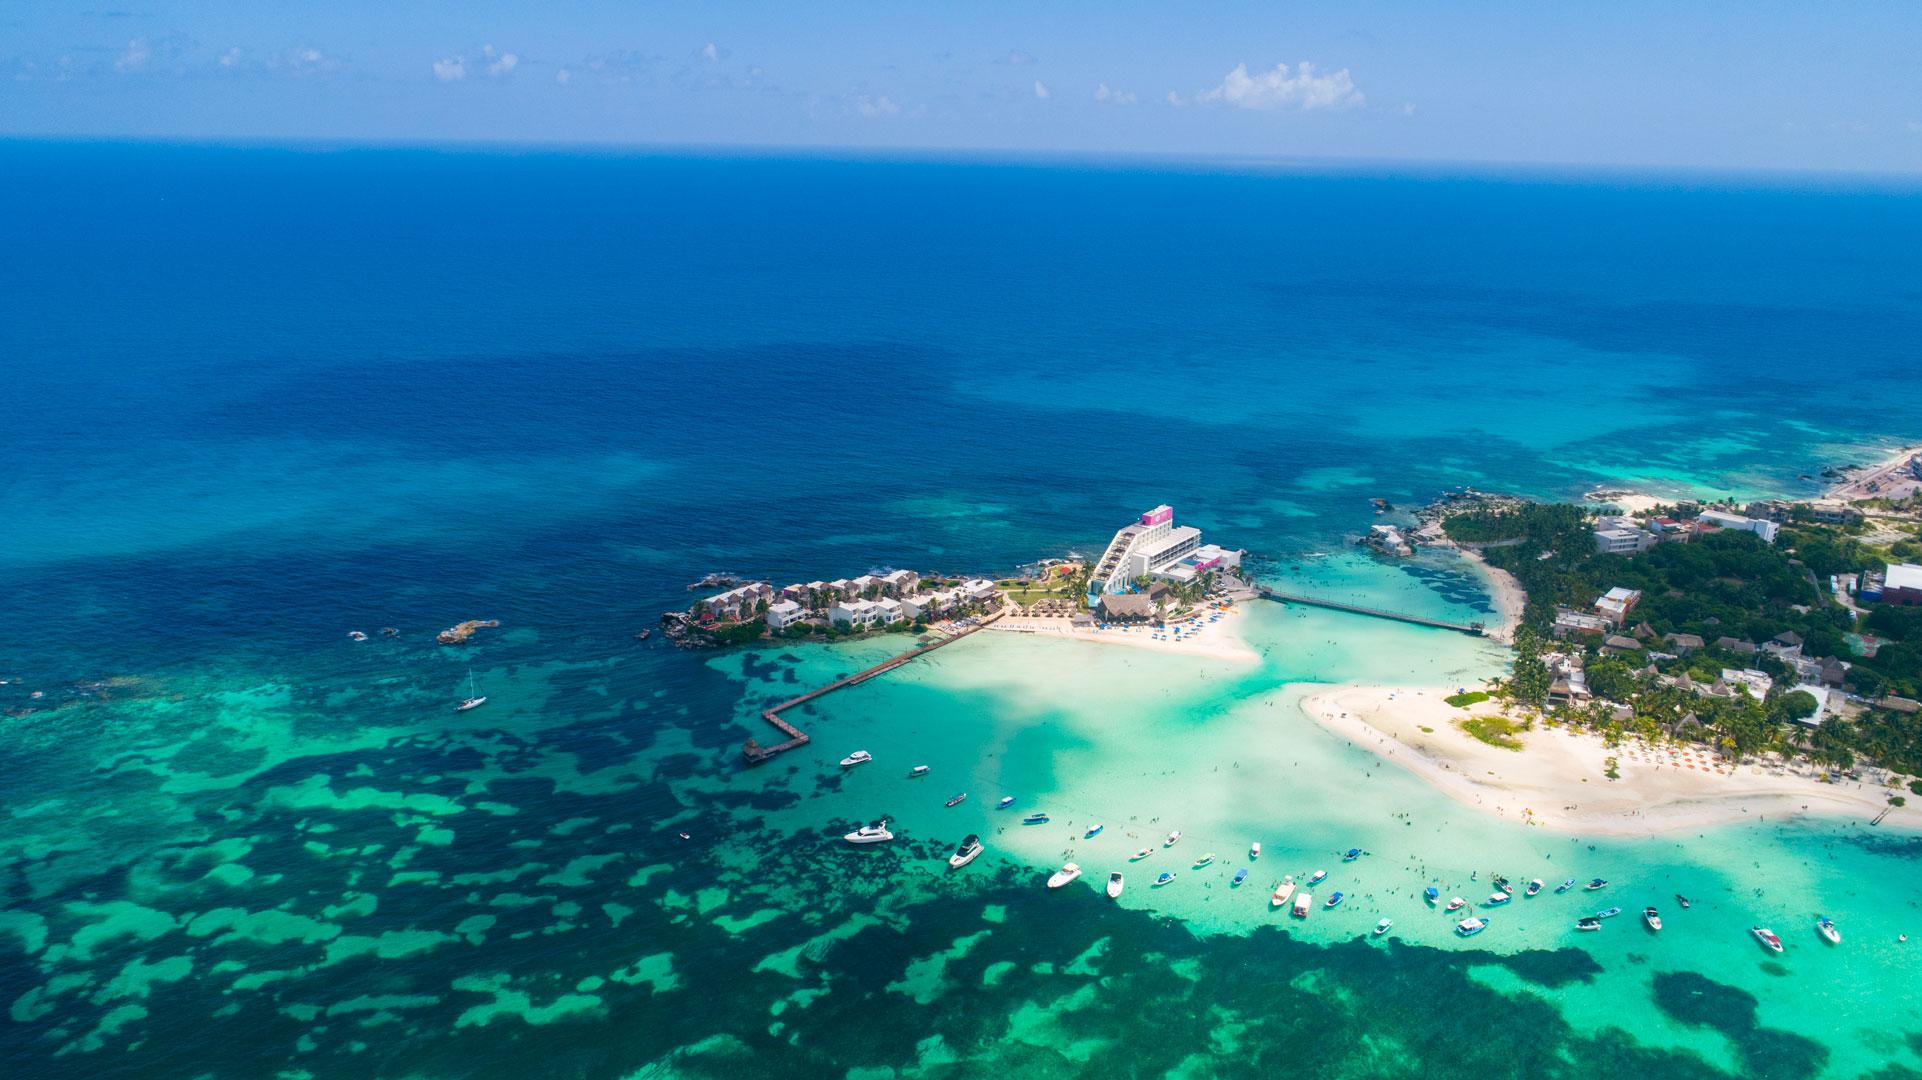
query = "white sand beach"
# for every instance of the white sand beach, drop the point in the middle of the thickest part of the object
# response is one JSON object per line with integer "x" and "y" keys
{"x": 1220, "y": 640}
{"x": 1558, "y": 779}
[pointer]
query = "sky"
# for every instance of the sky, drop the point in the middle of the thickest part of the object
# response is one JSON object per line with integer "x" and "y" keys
{"x": 1754, "y": 85}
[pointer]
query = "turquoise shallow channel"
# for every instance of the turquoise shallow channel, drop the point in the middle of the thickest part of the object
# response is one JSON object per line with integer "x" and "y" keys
{"x": 263, "y": 397}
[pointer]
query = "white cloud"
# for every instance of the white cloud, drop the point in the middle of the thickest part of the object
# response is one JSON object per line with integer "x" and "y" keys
{"x": 231, "y": 58}
{"x": 1113, "y": 97}
{"x": 1304, "y": 89}
{"x": 711, "y": 53}
{"x": 876, "y": 106}
{"x": 135, "y": 56}
{"x": 1175, "y": 99}
{"x": 1041, "y": 90}
{"x": 503, "y": 65}
{"x": 1018, "y": 58}
{"x": 562, "y": 76}
{"x": 450, "y": 69}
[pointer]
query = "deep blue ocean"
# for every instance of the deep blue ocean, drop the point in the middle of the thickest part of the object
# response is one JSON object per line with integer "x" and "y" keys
{"x": 259, "y": 397}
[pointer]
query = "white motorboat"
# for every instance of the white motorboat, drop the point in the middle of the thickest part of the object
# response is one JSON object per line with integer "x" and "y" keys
{"x": 1652, "y": 918}
{"x": 870, "y": 834}
{"x": 969, "y": 851}
{"x": 1173, "y": 839}
{"x": 1254, "y": 850}
{"x": 1283, "y": 891}
{"x": 1456, "y": 903}
{"x": 1767, "y": 937}
{"x": 1304, "y": 903}
{"x": 918, "y": 770}
{"x": 859, "y": 757}
{"x": 1825, "y": 926}
{"x": 1114, "y": 885}
{"x": 1470, "y": 926}
{"x": 1315, "y": 878}
{"x": 1067, "y": 873}
{"x": 1142, "y": 854}
{"x": 1383, "y": 926}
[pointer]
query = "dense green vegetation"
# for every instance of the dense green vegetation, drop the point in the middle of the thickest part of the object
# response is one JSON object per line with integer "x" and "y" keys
{"x": 1466, "y": 698}
{"x": 1722, "y": 585}
{"x": 1495, "y": 730}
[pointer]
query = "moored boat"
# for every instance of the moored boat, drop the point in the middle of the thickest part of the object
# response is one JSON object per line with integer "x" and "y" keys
{"x": 1173, "y": 839}
{"x": 1304, "y": 903}
{"x": 1598, "y": 883}
{"x": 1254, "y": 850}
{"x": 1283, "y": 891}
{"x": 918, "y": 770}
{"x": 1431, "y": 894}
{"x": 1035, "y": 819}
{"x": 1142, "y": 854}
{"x": 1588, "y": 922}
{"x": 870, "y": 834}
{"x": 1682, "y": 900}
{"x": 1470, "y": 926}
{"x": 1501, "y": 883}
{"x": 1383, "y": 926}
{"x": 1652, "y": 918}
{"x": 1006, "y": 801}
{"x": 958, "y": 799}
{"x": 1534, "y": 887}
{"x": 1114, "y": 885}
{"x": 1565, "y": 886}
{"x": 1456, "y": 903}
{"x": 1204, "y": 860}
{"x": 1767, "y": 937}
{"x": 859, "y": 757}
{"x": 1315, "y": 878}
{"x": 474, "y": 699}
{"x": 1241, "y": 875}
{"x": 1825, "y": 926}
{"x": 1351, "y": 854}
{"x": 969, "y": 850}
{"x": 1336, "y": 899}
{"x": 1496, "y": 899}
{"x": 1067, "y": 873}
{"x": 1093, "y": 831}
{"x": 1608, "y": 913}
{"x": 1163, "y": 878}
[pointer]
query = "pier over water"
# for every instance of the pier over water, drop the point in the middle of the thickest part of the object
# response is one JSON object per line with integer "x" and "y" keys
{"x": 1473, "y": 628}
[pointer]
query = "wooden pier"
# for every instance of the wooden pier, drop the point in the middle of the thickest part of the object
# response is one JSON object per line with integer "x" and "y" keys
{"x": 755, "y": 753}
{"x": 1266, "y": 593}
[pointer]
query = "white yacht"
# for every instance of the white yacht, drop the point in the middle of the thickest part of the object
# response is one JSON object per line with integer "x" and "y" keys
{"x": 474, "y": 699}
{"x": 859, "y": 757}
{"x": 870, "y": 834}
{"x": 1173, "y": 839}
{"x": 1282, "y": 892}
{"x": 969, "y": 851}
{"x": 1304, "y": 903}
{"x": 1114, "y": 885}
{"x": 1067, "y": 873}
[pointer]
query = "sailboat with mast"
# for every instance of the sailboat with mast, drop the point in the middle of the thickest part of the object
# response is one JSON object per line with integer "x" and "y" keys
{"x": 474, "y": 699}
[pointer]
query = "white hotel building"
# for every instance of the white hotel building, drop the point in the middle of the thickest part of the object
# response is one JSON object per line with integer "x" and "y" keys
{"x": 1155, "y": 546}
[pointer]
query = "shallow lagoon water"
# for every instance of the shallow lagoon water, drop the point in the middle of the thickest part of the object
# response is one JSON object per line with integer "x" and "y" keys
{"x": 238, "y": 844}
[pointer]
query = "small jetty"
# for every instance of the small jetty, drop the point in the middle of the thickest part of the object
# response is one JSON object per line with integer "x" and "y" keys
{"x": 458, "y": 635}
{"x": 1474, "y": 628}
{"x": 755, "y": 753}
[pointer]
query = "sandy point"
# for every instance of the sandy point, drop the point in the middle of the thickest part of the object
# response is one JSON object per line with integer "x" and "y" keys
{"x": 1559, "y": 780}
{"x": 1219, "y": 640}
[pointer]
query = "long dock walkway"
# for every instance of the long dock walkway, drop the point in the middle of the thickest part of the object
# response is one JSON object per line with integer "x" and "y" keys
{"x": 756, "y": 753}
{"x": 1266, "y": 593}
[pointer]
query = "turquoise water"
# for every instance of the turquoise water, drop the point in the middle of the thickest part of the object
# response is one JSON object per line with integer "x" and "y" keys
{"x": 265, "y": 397}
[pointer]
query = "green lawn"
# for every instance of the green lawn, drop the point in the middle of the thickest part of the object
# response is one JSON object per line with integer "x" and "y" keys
{"x": 1494, "y": 730}
{"x": 1464, "y": 700}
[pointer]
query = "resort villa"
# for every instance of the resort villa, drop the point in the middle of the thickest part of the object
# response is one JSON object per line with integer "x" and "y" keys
{"x": 1155, "y": 547}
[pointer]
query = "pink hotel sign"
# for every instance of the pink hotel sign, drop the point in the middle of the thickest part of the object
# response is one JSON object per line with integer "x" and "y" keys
{"x": 1159, "y": 515}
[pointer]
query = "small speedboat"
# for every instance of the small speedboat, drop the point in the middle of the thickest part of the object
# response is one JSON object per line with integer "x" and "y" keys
{"x": 1501, "y": 883}
{"x": 1336, "y": 899}
{"x": 356, "y": 635}
{"x": 1534, "y": 887}
{"x": 1652, "y": 918}
{"x": 1204, "y": 860}
{"x": 1608, "y": 913}
{"x": 1142, "y": 854}
{"x": 859, "y": 757}
{"x": 1241, "y": 875}
{"x": 1316, "y": 878}
{"x": 1431, "y": 894}
{"x": 1456, "y": 903}
{"x": 1383, "y": 926}
{"x": 1114, "y": 885}
{"x": 1254, "y": 850}
{"x": 870, "y": 834}
{"x": 918, "y": 770}
{"x": 1304, "y": 903}
{"x": 1565, "y": 886}
{"x": 1282, "y": 892}
{"x": 969, "y": 850}
{"x": 1035, "y": 819}
{"x": 1006, "y": 801}
{"x": 1825, "y": 926}
{"x": 1351, "y": 854}
{"x": 1496, "y": 899}
{"x": 1173, "y": 839}
{"x": 1588, "y": 922}
{"x": 1598, "y": 883}
{"x": 1067, "y": 873}
{"x": 1767, "y": 937}
{"x": 958, "y": 799}
{"x": 1093, "y": 831}
{"x": 1682, "y": 900}
{"x": 1470, "y": 926}
{"x": 1163, "y": 878}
